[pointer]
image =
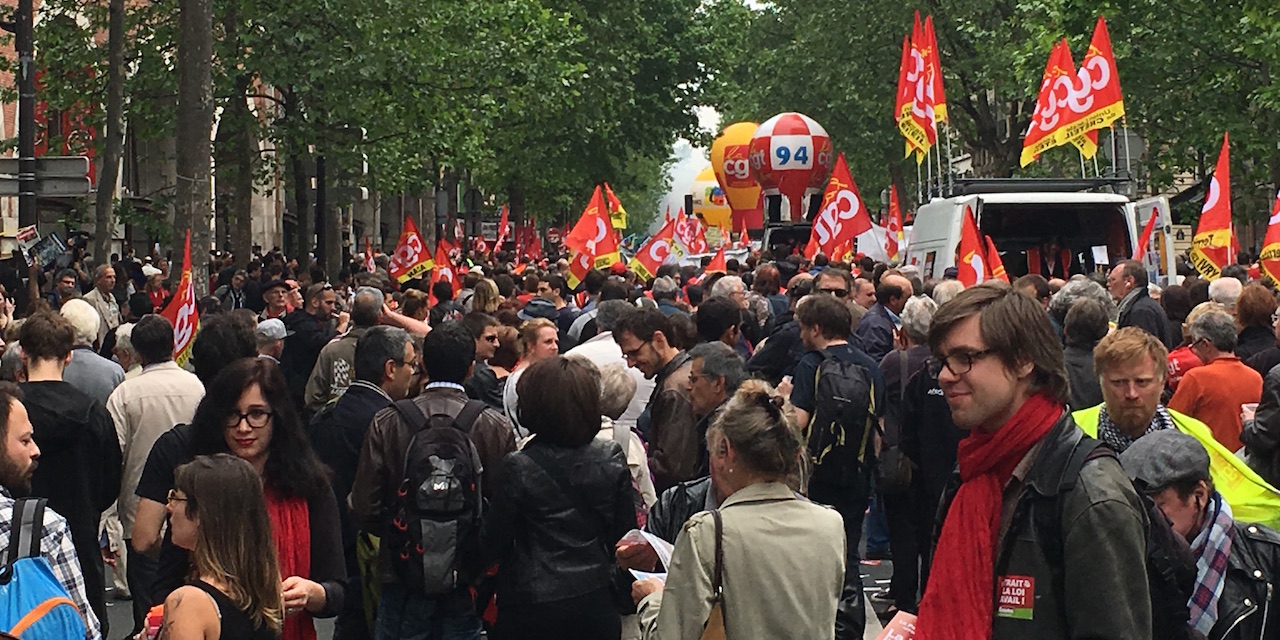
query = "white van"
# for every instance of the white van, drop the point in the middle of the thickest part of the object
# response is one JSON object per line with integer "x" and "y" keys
{"x": 1098, "y": 229}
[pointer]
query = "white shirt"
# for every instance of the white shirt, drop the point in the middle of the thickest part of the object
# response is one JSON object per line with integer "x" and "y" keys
{"x": 601, "y": 350}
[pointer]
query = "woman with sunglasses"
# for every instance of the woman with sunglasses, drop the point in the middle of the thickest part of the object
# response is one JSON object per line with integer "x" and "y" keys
{"x": 248, "y": 413}
{"x": 764, "y": 533}
{"x": 217, "y": 512}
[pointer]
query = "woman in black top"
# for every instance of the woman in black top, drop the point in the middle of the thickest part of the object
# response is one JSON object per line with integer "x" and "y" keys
{"x": 562, "y": 504}
{"x": 217, "y": 511}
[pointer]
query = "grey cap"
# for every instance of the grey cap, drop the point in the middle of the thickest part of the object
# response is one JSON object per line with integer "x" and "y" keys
{"x": 272, "y": 329}
{"x": 1159, "y": 459}
{"x": 665, "y": 286}
{"x": 538, "y": 308}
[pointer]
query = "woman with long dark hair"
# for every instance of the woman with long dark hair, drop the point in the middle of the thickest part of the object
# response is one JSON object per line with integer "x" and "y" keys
{"x": 247, "y": 412}
{"x": 218, "y": 513}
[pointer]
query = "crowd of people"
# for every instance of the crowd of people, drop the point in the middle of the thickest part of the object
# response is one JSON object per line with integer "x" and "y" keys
{"x": 696, "y": 453}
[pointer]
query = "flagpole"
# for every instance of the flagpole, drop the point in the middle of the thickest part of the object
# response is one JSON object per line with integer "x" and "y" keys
{"x": 929, "y": 171}
{"x": 1127, "y": 168}
{"x": 919, "y": 186}
{"x": 950, "y": 159}
{"x": 939, "y": 159}
{"x": 1083, "y": 172}
{"x": 1097, "y": 173}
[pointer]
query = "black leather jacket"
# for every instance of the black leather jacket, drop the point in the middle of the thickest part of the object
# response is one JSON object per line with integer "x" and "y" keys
{"x": 676, "y": 505}
{"x": 557, "y": 514}
{"x": 1248, "y": 608}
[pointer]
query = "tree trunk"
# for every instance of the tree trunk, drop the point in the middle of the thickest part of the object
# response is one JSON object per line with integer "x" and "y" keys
{"x": 306, "y": 227}
{"x": 104, "y": 202}
{"x": 195, "y": 123}
{"x": 243, "y": 156}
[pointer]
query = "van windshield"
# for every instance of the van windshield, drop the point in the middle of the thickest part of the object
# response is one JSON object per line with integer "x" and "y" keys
{"x": 1041, "y": 238}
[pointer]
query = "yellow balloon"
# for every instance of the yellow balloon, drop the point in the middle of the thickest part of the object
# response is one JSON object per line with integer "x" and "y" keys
{"x": 709, "y": 200}
{"x": 732, "y": 166}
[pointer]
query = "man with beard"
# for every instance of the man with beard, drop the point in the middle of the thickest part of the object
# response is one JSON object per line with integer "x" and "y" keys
{"x": 17, "y": 463}
{"x": 1130, "y": 364}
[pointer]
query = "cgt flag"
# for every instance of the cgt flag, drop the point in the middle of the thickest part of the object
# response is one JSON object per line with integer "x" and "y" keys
{"x": 1051, "y": 105}
{"x": 993, "y": 260}
{"x": 916, "y": 121}
{"x": 182, "y": 312}
{"x": 1269, "y": 259}
{"x": 369, "y": 264}
{"x": 592, "y": 242}
{"x": 617, "y": 215}
{"x": 893, "y": 235}
{"x": 656, "y": 251}
{"x": 1211, "y": 246}
{"x": 843, "y": 215}
{"x": 937, "y": 96}
{"x": 504, "y": 229}
{"x": 1095, "y": 100}
{"x": 972, "y": 266}
{"x": 410, "y": 259}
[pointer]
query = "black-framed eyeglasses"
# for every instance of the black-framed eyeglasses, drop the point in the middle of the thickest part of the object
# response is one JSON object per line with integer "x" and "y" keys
{"x": 957, "y": 362}
{"x": 257, "y": 418}
{"x": 174, "y": 497}
{"x": 634, "y": 353}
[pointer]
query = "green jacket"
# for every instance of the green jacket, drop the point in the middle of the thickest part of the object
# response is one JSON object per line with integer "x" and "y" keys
{"x": 1250, "y": 497}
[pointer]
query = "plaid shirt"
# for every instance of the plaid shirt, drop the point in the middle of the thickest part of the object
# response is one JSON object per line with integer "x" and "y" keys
{"x": 57, "y": 549}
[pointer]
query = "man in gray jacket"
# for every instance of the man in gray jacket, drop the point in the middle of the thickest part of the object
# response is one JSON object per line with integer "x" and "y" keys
{"x": 332, "y": 373}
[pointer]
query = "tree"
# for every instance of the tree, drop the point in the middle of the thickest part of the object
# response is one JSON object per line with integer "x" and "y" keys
{"x": 195, "y": 124}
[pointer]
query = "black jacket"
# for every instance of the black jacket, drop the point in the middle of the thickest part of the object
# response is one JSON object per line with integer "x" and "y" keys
{"x": 875, "y": 332}
{"x": 485, "y": 386}
{"x": 337, "y": 433}
{"x": 675, "y": 506}
{"x": 1249, "y": 607}
{"x": 1254, "y": 340}
{"x": 1147, "y": 314}
{"x": 1261, "y": 436}
{"x": 779, "y": 355}
{"x": 78, "y": 471}
{"x": 302, "y": 349}
{"x": 557, "y": 514}
{"x": 1085, "y": 390}
{"x": 1092, "y": 581}
{"x": 1264, "y": 361}
{"x": 928, "y": 438}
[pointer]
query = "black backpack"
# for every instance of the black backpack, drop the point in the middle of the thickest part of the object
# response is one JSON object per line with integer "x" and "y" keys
{"x": 838, "y": 434}
{"x": 1171, "y": 568}
{"x": 433, "y": 536}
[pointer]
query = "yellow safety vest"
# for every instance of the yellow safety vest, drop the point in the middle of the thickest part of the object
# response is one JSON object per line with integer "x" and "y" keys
{"x": 1251, "y": 498}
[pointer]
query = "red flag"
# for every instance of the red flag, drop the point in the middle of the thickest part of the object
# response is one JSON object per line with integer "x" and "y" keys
{"x": 459, "y": 232}
{"x": 919, "y": 127}
{"x": 995, "y": 264}
{"x": 1269, "y": 259}
{"x": 843, "y": 215}
{"x": 1140, "y": 251}
{"x": 969, "y": 256}
{"x": 936, "y": 94}
{"x": 902, "y": 105}
{"x": 369, "y": 264}
{"x": 717, "y": 264}
{"x": 1097, "y": 89}
{"x": 444, "y": 270}
{"x": 592, "y": 238}
{"x": 504, "y": 229}
{"x": 617, "y": 215}
{"x": 893, "y": 235}
{"x": 182, "y": 311}
{"x": 690, "y": 234}
{"x": 1211, "y": 247}
{"x": 655, "y": 251}
{"x": 1045, "y": 119}
{"x": 744, "y": 240}
{"x": 410, "y": 259}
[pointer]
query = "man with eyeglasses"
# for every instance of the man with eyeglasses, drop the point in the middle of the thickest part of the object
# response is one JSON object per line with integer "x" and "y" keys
{"x": 384, "y": 364}
{"x": 483, "y": 383}
{"x": 143, "y": 408}
{"x": 842, "y": 284}
{"x": 1039, "y": 538}
{"x": 81, "y": 465}
{"x": 670, "y": 428}
{"x": 1215, "y": 392}
{"x": 312, "y": 328}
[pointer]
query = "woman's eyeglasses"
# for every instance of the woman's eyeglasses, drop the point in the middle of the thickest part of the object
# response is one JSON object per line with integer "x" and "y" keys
{"x": 174, "y": 497}
{"x": 257, "y": 418}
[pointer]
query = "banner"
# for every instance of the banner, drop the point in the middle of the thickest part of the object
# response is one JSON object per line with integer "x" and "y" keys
{"x": 617, "y": 215}
{"x": 893, "y": 236}
{"x": 972, "y": 264}
{"x": 410, "y": 259}
{"x": 182, "y": 312}
{"x": 1269, "y": 259}
{"x": 656, "y": 251}
{"x": 843, "y": 215}
{"x": 1211, "y": 246}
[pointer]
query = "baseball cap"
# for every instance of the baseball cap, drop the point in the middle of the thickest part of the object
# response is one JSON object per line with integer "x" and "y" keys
{"x": 618, "y": 269}
{"x": 273, "y": 284}
{"x": 1159, "y": 459}
{"x": 951, "y": 273}
{"x": 272, "y": 329}
{"x": 538, "y": 308}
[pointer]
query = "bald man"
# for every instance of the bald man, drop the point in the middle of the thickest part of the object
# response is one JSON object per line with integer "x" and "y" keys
{"x": 876, "y": 329}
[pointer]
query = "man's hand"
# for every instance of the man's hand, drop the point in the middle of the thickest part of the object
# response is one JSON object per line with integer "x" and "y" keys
{"x": 343, "y": 319}
{"x": 642, "y": 588}
{"x": 785, "y": 386}
{"x": 640, "y": 556}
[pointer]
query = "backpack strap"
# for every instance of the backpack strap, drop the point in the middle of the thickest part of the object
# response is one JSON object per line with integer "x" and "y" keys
{"x": 26, "y": 529}
{"x": 411, "y": 414}
{"x": 470, "y": 413}
{"x": 717, "y": 576}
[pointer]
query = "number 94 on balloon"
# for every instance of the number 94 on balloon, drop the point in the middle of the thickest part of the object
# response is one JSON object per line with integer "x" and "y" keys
{"x": 791, "y": 152}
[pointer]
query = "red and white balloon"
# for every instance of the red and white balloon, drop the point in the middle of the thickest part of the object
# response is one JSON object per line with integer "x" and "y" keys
{"x": 792, "y": 155}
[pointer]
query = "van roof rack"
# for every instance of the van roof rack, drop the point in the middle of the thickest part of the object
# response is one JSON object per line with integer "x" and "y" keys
{"x": 970, "y": 186}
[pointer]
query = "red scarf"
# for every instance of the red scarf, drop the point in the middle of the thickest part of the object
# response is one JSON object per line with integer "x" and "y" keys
{"x": 959, "y": 602}
{"x": 291, "y": 526}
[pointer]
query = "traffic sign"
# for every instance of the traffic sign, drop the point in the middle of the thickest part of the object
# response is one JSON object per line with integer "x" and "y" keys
{"x": 51, "y": 166}
{"x": 49, "y": 187}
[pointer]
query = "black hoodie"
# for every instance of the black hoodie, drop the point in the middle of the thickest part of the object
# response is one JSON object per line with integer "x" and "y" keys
{"x": 78, "y": 471}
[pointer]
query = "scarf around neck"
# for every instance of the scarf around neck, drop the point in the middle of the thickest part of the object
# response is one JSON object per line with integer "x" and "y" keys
{"x": 1211, "y": 547}
{"x": 291, "y": 526}
{"x": 959, "y": 603}
{"x": 1109, "y": 433}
